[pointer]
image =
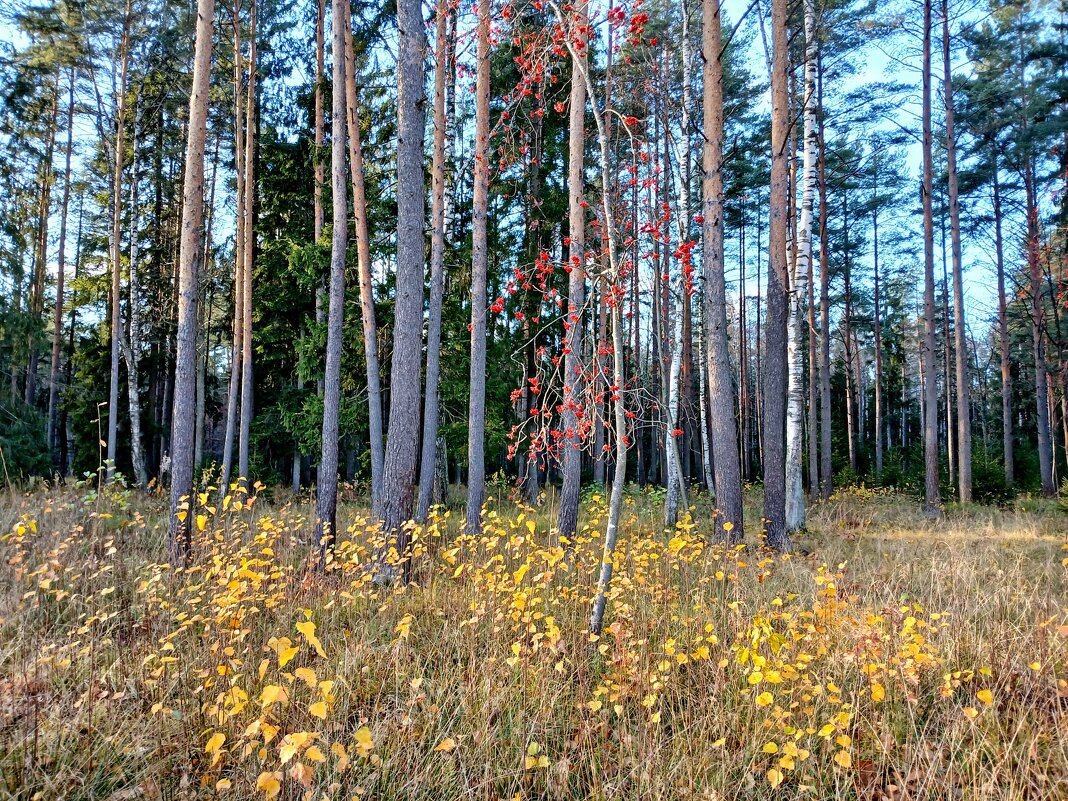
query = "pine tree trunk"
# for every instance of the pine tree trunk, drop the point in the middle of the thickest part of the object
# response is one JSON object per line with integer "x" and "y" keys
{"x": 363, "y": 264}
{"x": 40, "y": 261}
{"x": 326, "y": 502}
{"x": 774, "y": 420}
{"x": 427, "y": 471}
{"x": 799, "y": 287}
{"x": 402, "y": 451}
{"x": 476, "y": 409}
{"x": 183, "y": 424}
{"x": 1045, "y": 451}
{"x": 932, "y": 500}
{"x": 115, "y": 244}
{"x": 723, "y": 431}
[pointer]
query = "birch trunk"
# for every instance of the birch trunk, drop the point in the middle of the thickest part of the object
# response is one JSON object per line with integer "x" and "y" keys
{"x": 119, "y": 145}
{"x": 799, "y": 288}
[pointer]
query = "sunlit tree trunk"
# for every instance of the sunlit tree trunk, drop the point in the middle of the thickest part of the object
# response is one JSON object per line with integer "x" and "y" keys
{"x": 326, "y": 502}
{"x": 826, "y": 466}
{"x": 723, "y": 431}
{"x": 40, "y": 260}
{"x": 182, "y": 421}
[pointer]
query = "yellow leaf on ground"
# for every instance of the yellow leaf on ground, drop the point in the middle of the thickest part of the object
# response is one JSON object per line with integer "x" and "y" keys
{"x": 446, "y": 745}
{"x": 774, "y": 777}
{"x": 307, "y": 628}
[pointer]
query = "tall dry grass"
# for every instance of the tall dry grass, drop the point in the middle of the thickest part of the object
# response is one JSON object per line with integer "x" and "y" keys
{"x": 889, "y": 658}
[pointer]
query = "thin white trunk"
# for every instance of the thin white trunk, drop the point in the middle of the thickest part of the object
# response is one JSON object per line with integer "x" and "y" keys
{"x": 795, "y": 410}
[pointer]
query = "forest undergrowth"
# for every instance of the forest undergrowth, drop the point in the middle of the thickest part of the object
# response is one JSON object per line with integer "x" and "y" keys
{"x": 889, "y": 658}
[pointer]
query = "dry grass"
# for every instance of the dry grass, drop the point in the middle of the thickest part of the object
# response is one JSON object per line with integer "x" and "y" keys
{"x": 895, "y": 659}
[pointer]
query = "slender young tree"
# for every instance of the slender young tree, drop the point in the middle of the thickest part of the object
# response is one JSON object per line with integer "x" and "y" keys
{"x": 476, "y": 408}
{"x": 233, "y": 397}
{"x": 131, "y": 343}
{"x": 932, "y": 500}
{"x": 964, "y": 417}
{"x": 442, "y": 61}
{"x": 363, "y": 268}
{"x": 722, "y": 425}
{"x": 795, "y": 489}
{"x": 826, "y": 467}
{"x": 1003, "y": 334}
{"x": 774, "y": 422}
{"x": 326, "y": 502}
{"x": 249, "y": 250}
{"x": 567, "y": 519}
{"x": 57, "y": 321}
{"x": 119, "y": 145}
{"x": 394, "y": 506}
{"x": 183, "y": 422}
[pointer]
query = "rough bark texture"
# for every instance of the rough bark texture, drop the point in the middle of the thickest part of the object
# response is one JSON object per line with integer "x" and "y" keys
{"x": 427, "y": 473}
{"x": 182, "y": 420}
{"x": 571, "y": 444}
{"x": 363, "y": 265}
{"x": 326, "y": 502}
{"x": 932, "y": 500}
{"x": 774, "y": 406}
{"x": 723, "y": 431}
{"x": 402, "y": 448}
{"x": 1045, "y": 451}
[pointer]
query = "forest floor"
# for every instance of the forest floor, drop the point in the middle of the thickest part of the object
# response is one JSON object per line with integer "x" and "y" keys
{"x": 890, "y": 658}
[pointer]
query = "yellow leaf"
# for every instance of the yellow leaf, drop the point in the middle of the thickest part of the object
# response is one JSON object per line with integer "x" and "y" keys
{"x": 446, "y": 745}
{"x": 270, "y": 783}
{"x": 765, "y": 699}
{"x": 314, "y": 754}
{"x": 878, "y": 692}
{"x": 985, "y": 696}
{"x": 302, "y": 773}
{"x": 365, "y": 742}
{"x": 202, "y": 521}
{"x": 272, "y": 694}
{"x": 215, "y": 742}
{"x": 844, "y": 759}
{"x": 307, "y": 628}
{"x": 286, "y": 656}
{"x": 338, "y": 750}
{"x": 971, "y": 712}
{"x": 307, "y": 675}
{"x": 774, "y": 777}
{"x": 319, "y": 709}
{"x": 594, "y": 706}
{"x": 770, "y": 748}
{"x": 223, "y": 784}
